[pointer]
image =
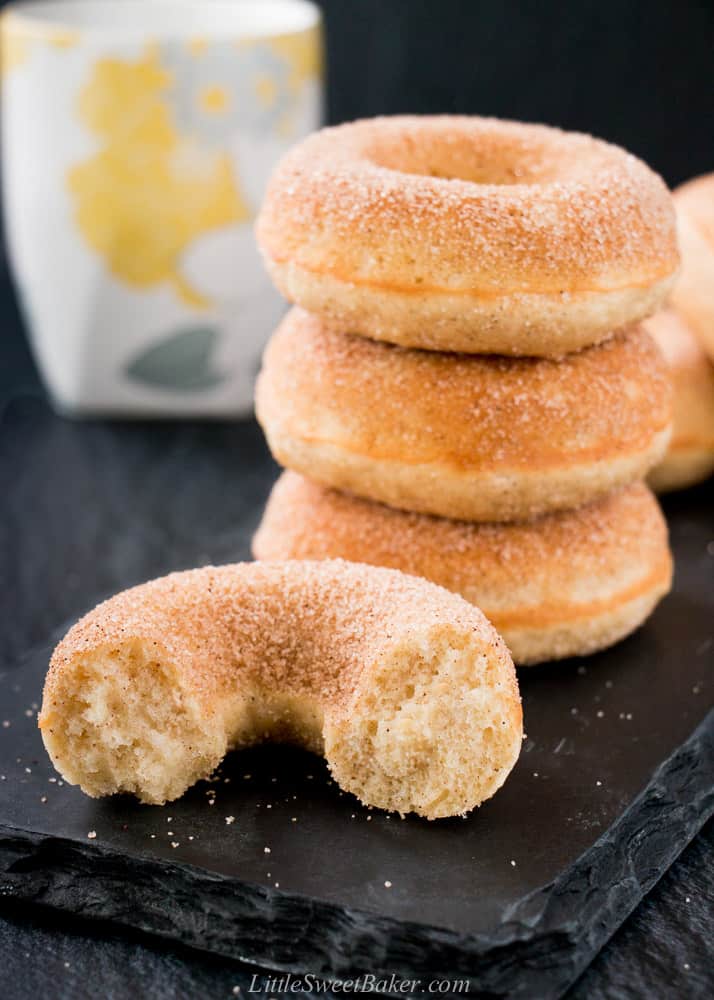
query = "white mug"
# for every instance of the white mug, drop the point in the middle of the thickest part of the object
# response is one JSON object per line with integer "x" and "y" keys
{"x": 137, "y": 138}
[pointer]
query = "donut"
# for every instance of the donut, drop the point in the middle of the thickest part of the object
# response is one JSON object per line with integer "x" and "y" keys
{"x": 464, "y": 436}
{"x": 693, "y": 294}
{"x": 690, "y": 456}
{"x": 468, "y": 234}
{"x": 564, "y": 584}
{"x": 405, "y": 688}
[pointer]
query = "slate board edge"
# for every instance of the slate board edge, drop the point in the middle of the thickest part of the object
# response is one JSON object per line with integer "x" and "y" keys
{"x": 540, "y": 949}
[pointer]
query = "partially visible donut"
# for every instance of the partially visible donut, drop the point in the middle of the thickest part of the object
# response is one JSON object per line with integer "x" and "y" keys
{"x": 690, "y": 456}
{"x": 564, "y": 584}
{"x": 468, "y": 234}
{"x": 463, "y": 436}
{"x": 407, "y": 690}
{"x": 693, "y": 294}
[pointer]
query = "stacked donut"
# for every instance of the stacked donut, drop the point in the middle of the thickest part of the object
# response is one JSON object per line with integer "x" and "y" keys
{"x": 685, "y": 333}
{"x": 463, "y": 390}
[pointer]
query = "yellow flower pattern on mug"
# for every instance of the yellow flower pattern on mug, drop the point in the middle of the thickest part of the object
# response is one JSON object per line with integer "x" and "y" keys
{"x": 150, "y": 190}
{"x": 215, "y": 91}
{"x": 163, "y": 173}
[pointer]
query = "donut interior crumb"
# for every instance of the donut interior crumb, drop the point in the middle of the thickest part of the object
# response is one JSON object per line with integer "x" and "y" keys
{"x": 367, "y": 666}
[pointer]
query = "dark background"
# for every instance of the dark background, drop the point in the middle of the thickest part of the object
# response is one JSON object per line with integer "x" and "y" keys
{"x": 636, "y": 73}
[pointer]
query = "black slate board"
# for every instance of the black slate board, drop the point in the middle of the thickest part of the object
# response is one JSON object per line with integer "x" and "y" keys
{"x": 585, "y": 852}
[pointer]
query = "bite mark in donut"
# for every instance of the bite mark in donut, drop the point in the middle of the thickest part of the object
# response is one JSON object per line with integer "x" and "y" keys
{"x": 406, "y": 689}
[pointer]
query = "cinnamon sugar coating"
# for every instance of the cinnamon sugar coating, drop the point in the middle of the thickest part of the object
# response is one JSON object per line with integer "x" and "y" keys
{"x": 560, "y": 585}
{"x": 148, "y": 691}
{"x": 470, "y": 234}
{"x": 695, "y": 199}
{"x": 690, "y": 456}
{"x": 693, "y": 294}
{"x": 465, "y": 436}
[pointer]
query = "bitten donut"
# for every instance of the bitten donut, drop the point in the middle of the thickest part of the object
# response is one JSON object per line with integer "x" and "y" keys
{"x": 565, "y": 584}
{"x": 469, "y": 234}
{"x": 405, "y": 688}
{"x": 690, "y": 456}
{"x": 693, "y": 294}
{"x": 463, "y": 436}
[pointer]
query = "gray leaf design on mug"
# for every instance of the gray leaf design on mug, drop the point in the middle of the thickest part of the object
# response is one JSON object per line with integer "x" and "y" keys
{"x": 181, "y": 362}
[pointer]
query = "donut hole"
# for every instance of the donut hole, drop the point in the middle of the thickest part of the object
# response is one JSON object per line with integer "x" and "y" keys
{"x": 444, "y": 738}
{"x": 276, "y": 717}
{"x": 472, "y": 152}
{"x": 129, "y": 727}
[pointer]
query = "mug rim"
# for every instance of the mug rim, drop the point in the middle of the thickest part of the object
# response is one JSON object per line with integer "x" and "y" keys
{"x": 240, "y": 19}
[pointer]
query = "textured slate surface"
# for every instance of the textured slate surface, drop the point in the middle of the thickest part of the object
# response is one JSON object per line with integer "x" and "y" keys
{"x": 101, "y": 507}
{"x": 662, "y": 951}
